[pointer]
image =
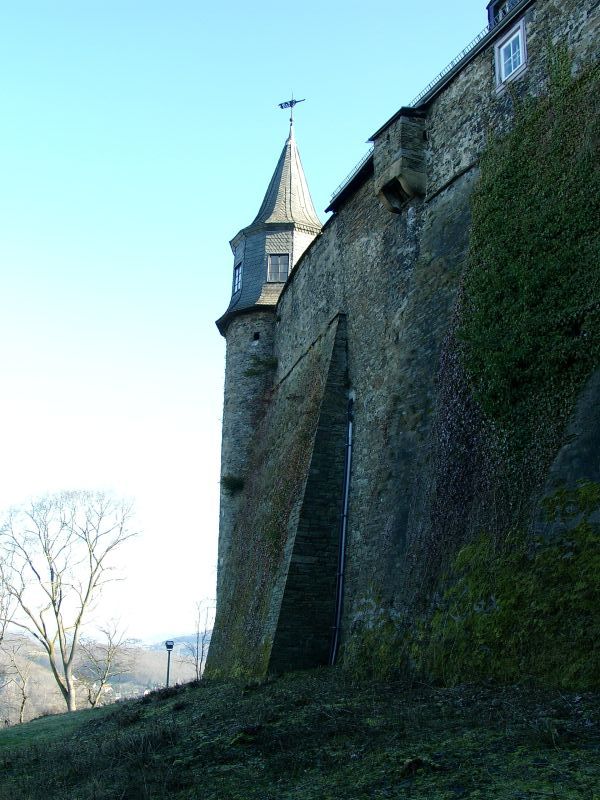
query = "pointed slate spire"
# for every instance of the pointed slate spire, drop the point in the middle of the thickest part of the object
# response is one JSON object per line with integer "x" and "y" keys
{"x": 288, "y": 198}
{"x": 266, "y": 251}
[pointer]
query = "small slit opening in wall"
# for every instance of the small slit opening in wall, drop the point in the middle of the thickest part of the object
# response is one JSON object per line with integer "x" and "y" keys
{"x": 256, "y": 337}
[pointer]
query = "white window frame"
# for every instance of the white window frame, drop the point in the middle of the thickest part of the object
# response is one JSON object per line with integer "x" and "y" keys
{"x": 237, "y": 278}
{"x": 270, "y": 279}
{"x": 509, "y": 36}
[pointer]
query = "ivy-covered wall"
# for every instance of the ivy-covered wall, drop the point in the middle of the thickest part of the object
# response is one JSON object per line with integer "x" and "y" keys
{"x": 472, "y": 354}
{"x": 528, "y": 336}
{"x": 530, "y": 325}
{"x": 509, "y": 575}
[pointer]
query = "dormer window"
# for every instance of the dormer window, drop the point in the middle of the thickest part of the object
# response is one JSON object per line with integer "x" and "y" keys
{"x": 237, "y": 277}
{"x": 278, "y": 268}
{"x": 511, "y": 55}
{"x": 501, "y": 10}
{"x": 498, "y": 9}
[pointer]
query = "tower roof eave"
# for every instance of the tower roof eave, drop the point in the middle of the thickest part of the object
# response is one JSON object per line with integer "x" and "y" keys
{"x": 257, "y": 227}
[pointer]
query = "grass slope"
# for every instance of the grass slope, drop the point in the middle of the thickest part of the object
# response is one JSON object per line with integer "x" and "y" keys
{"x": 312, "y": 736}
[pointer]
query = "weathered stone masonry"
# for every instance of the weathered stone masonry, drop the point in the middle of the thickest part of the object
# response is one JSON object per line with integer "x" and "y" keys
{"x": 369, "y": 307}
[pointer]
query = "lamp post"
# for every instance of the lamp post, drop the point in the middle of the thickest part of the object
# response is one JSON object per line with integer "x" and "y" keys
{"x": 169, "y": 645}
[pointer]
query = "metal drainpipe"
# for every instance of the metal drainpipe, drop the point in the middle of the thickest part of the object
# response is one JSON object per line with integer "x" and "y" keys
{"x": 339, "y": 589}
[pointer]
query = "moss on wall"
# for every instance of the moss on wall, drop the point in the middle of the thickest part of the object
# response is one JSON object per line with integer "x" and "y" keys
{"x": 528, "y": 609}
{"x": 377, "y": 650}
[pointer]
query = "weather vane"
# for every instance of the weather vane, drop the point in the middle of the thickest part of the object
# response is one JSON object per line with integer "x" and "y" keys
{"x": 290, "y": 104}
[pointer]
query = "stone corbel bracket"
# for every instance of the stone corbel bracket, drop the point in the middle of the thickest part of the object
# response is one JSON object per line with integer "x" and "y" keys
{"x": 399, "y": 163}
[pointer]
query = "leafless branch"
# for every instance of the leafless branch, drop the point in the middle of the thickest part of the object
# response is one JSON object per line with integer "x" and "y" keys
{"x": 109, "y": 656}
{"x": 195, "y": 652}
{"x": 55, "y": 556}
{"x": 17, "y": 670}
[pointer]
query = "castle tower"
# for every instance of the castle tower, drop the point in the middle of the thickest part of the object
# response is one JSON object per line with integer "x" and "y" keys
{"x": 264, "y": 254}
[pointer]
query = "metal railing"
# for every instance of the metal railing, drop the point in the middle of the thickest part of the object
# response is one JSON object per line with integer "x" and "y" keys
{"x": 450, "y": 66}
{"x": 354, "y": 172}
{"x": 505, "y": 9}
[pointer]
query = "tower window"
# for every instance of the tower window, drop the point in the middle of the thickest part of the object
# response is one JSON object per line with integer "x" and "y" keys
{"x": 511, "y": 55}
{"x": 279, "y": 267}
{"x": 237, "y": 277}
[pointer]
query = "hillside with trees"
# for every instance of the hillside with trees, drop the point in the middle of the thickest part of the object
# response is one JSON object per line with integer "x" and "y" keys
{"x": 28, "y": 689}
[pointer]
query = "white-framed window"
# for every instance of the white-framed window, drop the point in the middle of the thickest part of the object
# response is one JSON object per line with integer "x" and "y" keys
{"x": 237, "y": 277}
{"x": 511, "y": 55}
{"x": 279, "y": 267}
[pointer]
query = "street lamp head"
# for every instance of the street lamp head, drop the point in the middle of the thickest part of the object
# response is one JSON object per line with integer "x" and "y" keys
{"x": 169, "y": 645}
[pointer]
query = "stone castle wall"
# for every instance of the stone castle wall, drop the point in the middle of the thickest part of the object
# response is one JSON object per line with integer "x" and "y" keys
{"x": 393, "y": 278}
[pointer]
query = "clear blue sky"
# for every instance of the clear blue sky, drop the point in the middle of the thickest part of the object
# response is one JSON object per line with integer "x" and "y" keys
{"x": 137, "y": 139}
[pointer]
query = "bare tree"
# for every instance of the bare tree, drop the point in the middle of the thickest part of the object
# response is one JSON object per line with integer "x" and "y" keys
{"x": 99, "y": 661}
{"x": 195, "y": 652}
{"x": 57, "y": 557}
{"x": 4, "y": 678}
{"x": 18, "y": 671}
{"x": 4, "y": 686}
{"x": 6, "y": 601}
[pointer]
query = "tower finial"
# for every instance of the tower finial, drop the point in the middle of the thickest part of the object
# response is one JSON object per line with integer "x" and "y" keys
{"x": 290, "y": 104}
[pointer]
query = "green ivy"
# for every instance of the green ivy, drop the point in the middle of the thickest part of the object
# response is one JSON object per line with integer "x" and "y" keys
{"x": 530, "y": 325}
